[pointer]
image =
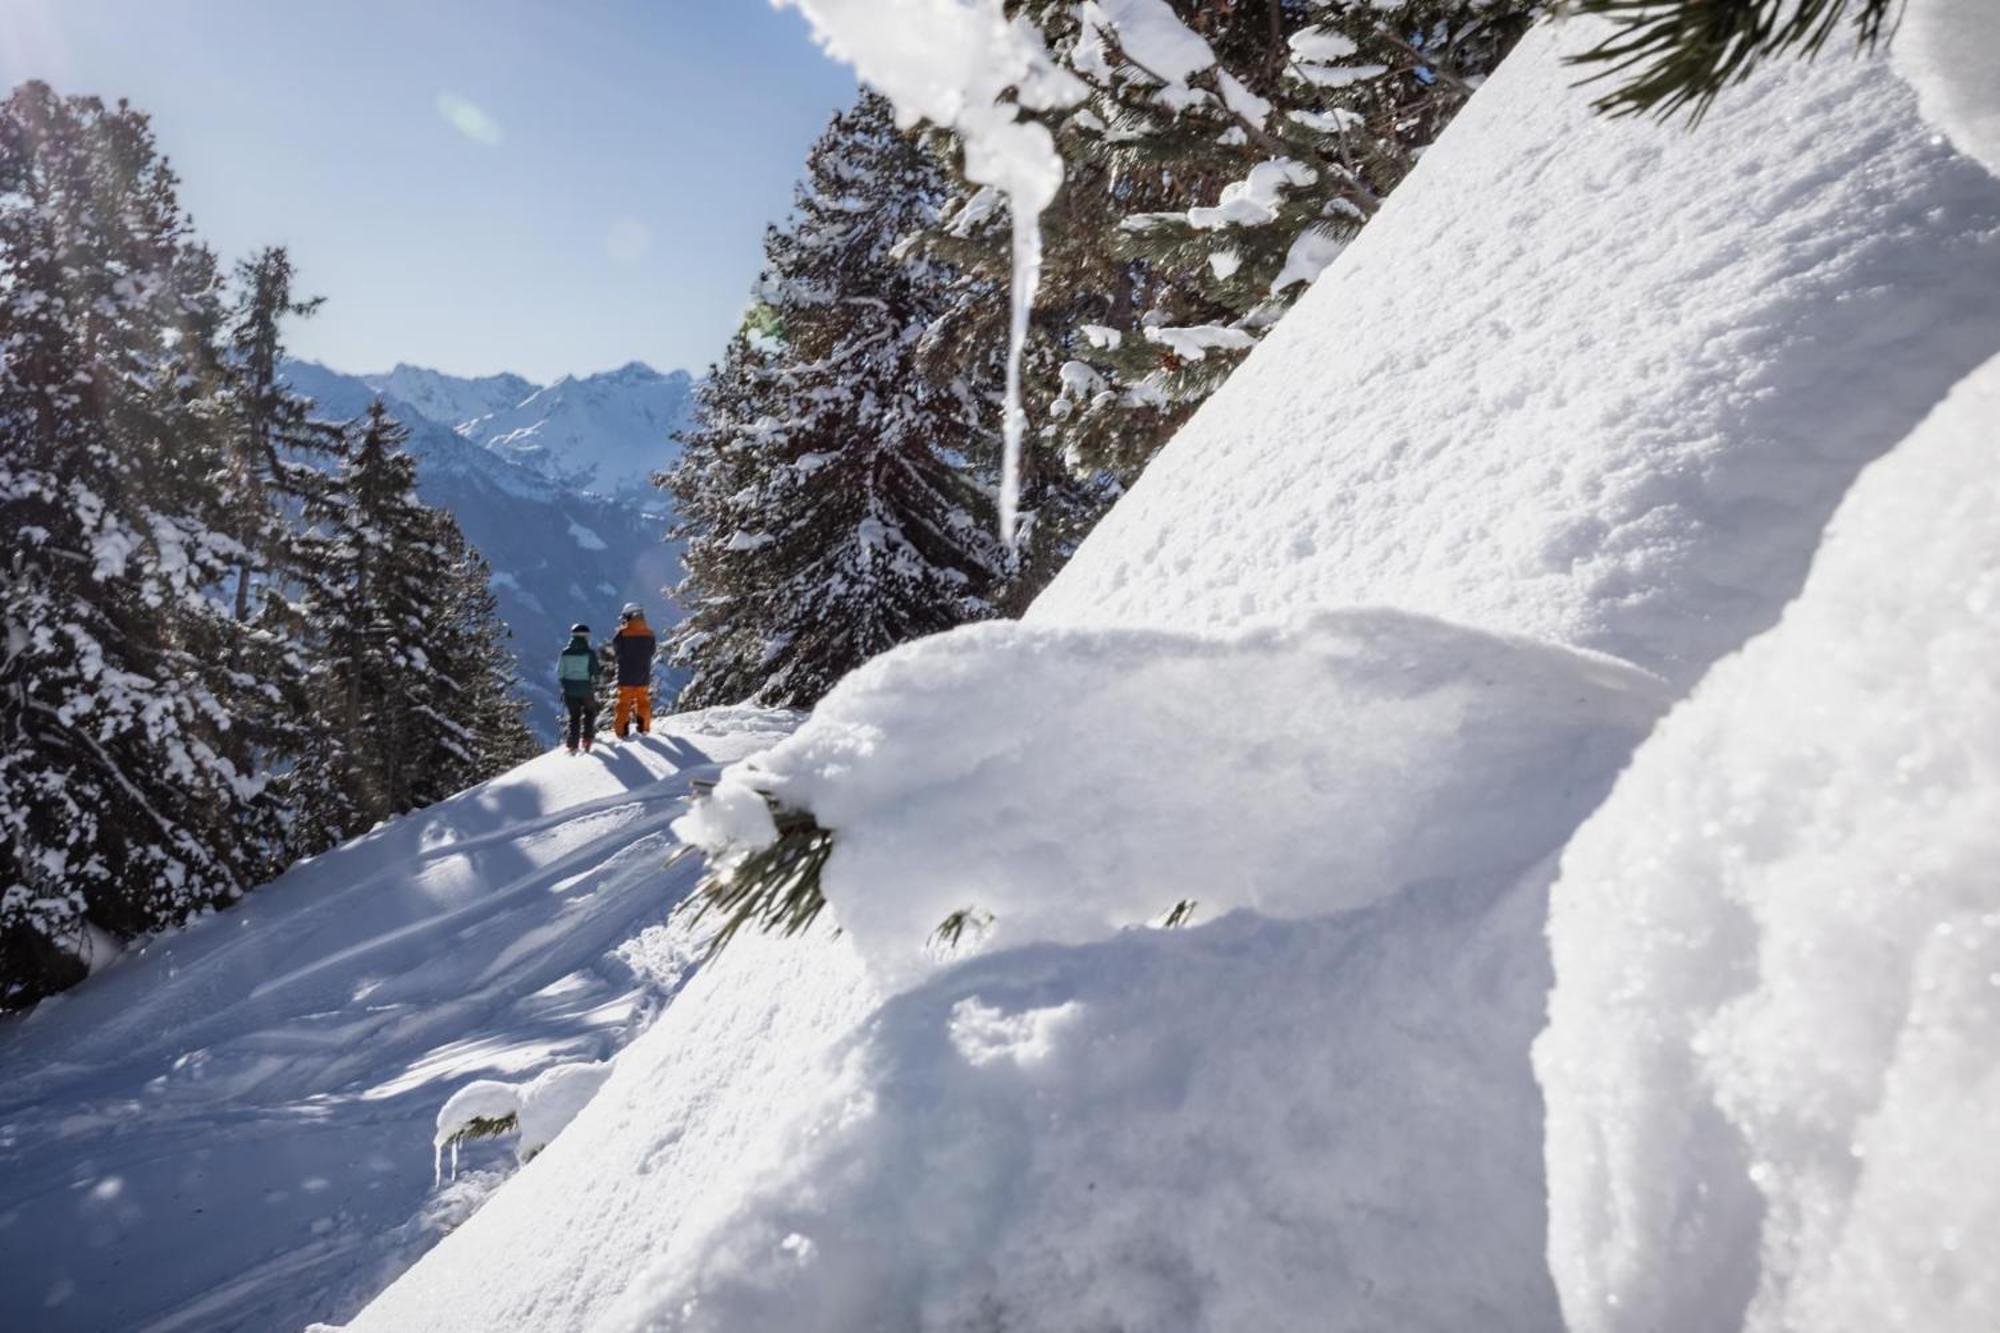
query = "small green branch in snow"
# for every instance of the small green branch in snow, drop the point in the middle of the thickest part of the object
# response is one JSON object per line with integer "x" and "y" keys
{"x": 774, "y": 889}
{"x": 951, "y": 931}
{"x": 482, "y": 1127}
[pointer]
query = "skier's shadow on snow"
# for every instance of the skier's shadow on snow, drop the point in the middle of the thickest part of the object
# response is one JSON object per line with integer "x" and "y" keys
{"x": 622, "y": 760}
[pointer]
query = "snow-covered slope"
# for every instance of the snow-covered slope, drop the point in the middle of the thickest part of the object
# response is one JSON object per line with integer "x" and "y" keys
{"x": 1773, "y": 1059}
{"x": 450, "y": 400}
{"x": 1595, "y": 381}
{"x": 558, "y": 555}
{"x": 605, "y": 433}
{"x": 231, "y": 1129}
{"x": 1598, "y": 383}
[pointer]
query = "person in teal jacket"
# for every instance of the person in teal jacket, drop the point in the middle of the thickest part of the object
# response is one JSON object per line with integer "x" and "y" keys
{"x": 577, "y": 670}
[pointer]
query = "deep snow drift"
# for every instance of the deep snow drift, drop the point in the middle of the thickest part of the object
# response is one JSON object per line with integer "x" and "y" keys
{"x": 1614, "y": 379}
{"x": 1296, "y": 772}
{"x": 232, "y": 1129}
{"x": 1773, "y": 1060}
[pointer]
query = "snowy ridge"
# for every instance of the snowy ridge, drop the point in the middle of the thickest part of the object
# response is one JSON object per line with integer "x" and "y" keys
{"x": 242, "y": 1112}
{"x": 606, "y": 434}
{"x": 449, "y": 400}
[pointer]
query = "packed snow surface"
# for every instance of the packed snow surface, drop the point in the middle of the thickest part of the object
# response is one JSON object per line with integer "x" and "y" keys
{"x": 1773, "y": 1061}
{"x": 1595, "y": 381}
{"x": 1109, "y": 774}
{"x": 232, "y": 1128}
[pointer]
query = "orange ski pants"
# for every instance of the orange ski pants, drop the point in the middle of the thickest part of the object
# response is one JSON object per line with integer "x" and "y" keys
{"x": 633, "y": 699}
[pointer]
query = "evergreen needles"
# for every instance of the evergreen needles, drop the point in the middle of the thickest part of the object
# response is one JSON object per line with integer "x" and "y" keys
{"x": 1676, "y": 55}
{"x": 775, "y": 888}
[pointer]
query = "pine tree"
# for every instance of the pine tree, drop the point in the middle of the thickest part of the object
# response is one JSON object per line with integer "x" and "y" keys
{"x": 487, "y": 702}
{"x": 394, "y": 685}
{"x": 121, "y": 811}
{"x": 277, "y": 453}
{"x": 825, "y": 490}
{"x": 1197, "y": 206}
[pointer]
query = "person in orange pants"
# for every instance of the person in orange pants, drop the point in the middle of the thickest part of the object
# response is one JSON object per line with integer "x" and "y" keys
{"x": 633, "y": 648}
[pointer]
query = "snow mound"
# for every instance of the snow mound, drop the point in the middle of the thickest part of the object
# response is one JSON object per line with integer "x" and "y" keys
{"x": 1773, "y": 1061}
{"x": 1597, "y": 382}
{"x": 536, "y": 1110}
{"x": 1950, "y": 50}
{"x": 1172, "y": 1129}
{"x": 1108, "y": 774}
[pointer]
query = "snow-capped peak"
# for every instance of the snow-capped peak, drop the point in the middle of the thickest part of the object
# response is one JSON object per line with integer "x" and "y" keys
{"x": 606, "y": 433}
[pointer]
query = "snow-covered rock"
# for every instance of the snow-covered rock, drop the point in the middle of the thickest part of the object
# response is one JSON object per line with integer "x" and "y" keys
{"x": 535, "y": 1111}
{"x": 1595, "y": 381}
{"x": 231, "y": 1128}
{"x": 1773, "y": 1058}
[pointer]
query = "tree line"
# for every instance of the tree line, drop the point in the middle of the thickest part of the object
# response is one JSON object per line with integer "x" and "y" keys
{"x": 232, "y": 633}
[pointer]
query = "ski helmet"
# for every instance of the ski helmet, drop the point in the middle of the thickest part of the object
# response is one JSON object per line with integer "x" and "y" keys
{"x": 579, "y": 629}
{"x": 631, "y": 609}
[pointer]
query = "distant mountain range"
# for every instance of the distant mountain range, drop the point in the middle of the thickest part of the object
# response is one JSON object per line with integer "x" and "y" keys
{"x": 606, "y": 434}
{"x": 557, "y": 502}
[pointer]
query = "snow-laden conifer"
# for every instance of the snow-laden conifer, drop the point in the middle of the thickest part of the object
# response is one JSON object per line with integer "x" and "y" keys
{"x": 826, "y": 487}
{"x": 121, "y": 808}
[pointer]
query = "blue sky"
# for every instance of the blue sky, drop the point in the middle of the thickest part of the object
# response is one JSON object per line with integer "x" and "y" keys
{"x": 540, "y": 186}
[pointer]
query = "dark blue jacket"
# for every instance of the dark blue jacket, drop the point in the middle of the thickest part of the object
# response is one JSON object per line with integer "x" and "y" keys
{"x": 633, "y": 646}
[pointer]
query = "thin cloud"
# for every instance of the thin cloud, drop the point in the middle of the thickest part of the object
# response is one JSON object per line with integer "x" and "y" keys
{"x": 469, "y": 119}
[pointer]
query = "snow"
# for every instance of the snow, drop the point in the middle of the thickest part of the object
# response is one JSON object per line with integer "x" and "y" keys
{"x": 690, "y": 1116}
{"x": 1169, "y": 1129}
{"x": 1253, "y": 201}
{"x": 1195, "y": 342}
{"x": 1616, "y": 378}
{"x": 236, "y": 1120}
{"x": 1773, "y": 1059}
{"x": 606, "y": 434}
{"x": 1629, "y": 371}
{"x": 1151, "y": 36}
{"x": 1426, "y": 721}
{"x": 1948, "y": 50}
{"x": 585, "y": 538}
{"x": 1311, "y": 254}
